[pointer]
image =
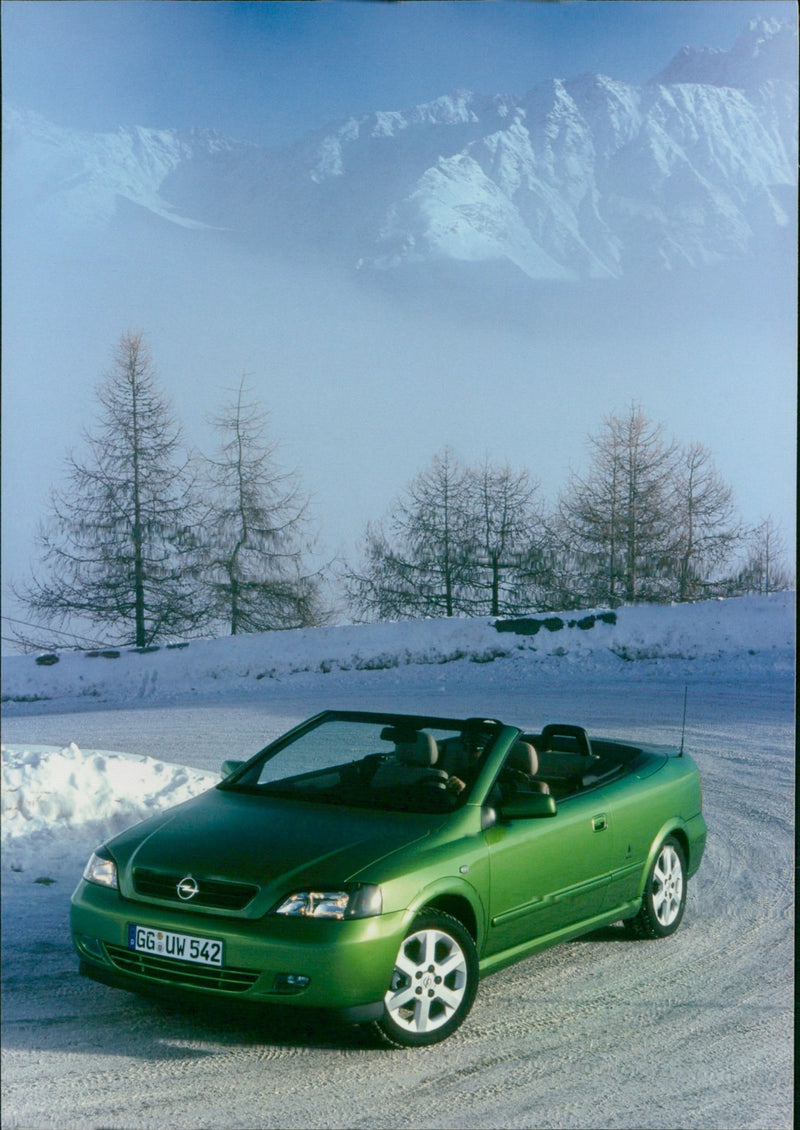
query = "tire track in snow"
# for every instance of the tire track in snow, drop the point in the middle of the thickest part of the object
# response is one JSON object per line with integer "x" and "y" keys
{"x": 692, "y": 1031}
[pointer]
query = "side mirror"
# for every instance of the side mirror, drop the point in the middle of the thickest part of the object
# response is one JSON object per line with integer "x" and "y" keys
{"x": 229, "y": 767}
{"x": 529, "y": 806}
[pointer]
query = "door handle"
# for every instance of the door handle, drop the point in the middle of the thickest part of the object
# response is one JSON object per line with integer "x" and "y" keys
{"x": 599, "y": 823}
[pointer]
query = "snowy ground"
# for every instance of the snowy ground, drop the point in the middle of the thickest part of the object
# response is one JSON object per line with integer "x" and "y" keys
{"x": 694, "y": 1031}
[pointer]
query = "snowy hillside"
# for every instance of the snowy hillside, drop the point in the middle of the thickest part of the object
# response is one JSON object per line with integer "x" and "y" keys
{"x": 580, "y": 178}
{"x": 725, "y": 638}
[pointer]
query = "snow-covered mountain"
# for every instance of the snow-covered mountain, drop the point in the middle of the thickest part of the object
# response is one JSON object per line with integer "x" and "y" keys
{"x": 580, "y": 178}
{"x": 764, "y": 51}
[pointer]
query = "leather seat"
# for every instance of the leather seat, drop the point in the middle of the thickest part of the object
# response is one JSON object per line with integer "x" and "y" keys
{"x": 411, "y": 762}
{"x": 524, "y": 758}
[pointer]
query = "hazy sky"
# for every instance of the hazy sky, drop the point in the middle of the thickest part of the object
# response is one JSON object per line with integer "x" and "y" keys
{"x": 362, "y": 394}
{"x": 267, "y": 72}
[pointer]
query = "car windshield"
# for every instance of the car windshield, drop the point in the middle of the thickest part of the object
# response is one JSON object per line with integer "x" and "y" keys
{"x": 391, "y": 762}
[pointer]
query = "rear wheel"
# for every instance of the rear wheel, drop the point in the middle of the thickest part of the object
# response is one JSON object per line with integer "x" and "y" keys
{"x": 433, "y": 984}
{"x": 664, "y": 896}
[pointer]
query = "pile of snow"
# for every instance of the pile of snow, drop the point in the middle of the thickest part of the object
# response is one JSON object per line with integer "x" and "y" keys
{"x": 718, "y": 638}
{"x": 51, "y": 795}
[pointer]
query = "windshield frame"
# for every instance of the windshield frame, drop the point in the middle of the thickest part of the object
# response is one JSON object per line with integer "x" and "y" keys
{"x": 244, "y": 779}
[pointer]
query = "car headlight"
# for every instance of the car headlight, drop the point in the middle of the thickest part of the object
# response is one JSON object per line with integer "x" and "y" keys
{"x": 352, "y": 902}
{"x": 101, "y": 869}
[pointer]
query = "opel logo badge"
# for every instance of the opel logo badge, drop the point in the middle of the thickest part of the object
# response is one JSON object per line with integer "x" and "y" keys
{"x": 187, "y": 888}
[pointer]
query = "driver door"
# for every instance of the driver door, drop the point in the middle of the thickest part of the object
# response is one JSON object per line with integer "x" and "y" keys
{"x": 547, "y": 873}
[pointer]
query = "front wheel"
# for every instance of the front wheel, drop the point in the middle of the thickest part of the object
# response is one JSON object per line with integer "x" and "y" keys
{"x": 664, "y": 896}
{"x": 433, "y": 984}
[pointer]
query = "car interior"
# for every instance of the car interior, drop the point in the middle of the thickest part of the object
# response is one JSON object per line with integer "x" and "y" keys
{"x": 560, "y": 761}
{"x": 417, "y": 772}
{"x": 569, "y": 762}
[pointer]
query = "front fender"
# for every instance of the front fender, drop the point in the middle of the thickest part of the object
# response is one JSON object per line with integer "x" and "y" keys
{"x": 453, "y": 895}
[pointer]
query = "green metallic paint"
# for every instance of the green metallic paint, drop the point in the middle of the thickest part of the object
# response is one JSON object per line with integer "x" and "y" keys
{"x": 523, "y": 883}
{"x": 221, "y": 834}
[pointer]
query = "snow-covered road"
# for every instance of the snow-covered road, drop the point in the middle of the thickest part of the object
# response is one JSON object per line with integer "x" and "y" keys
{"x": 692, "y": 1031}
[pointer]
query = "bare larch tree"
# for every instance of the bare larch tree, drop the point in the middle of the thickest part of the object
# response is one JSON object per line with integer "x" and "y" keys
{"x": 414, "y": 563}
{"x": 618, "y": 519}
{"x": 117, "y": 544}
{"x": 255, "y": 538}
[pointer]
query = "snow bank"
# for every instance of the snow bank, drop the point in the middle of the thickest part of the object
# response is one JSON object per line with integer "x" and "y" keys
{"x": 737, "y": 636}
{"x": 53, "y": 796}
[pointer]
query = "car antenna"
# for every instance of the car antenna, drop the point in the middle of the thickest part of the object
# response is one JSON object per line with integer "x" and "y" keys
{"x": 683, "y": 723}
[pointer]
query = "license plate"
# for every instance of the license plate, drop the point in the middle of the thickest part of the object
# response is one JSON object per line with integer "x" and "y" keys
{"x": 183, "y": 947}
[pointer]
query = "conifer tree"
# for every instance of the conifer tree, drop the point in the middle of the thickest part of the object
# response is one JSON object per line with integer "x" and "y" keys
{"x": 618, "y": 520}
{"x": 255, "y": 536}
{"x": 706, "y": 529}
{"x": 459, "y": 540}
{"x": 117, "y": 544}
{"x": 414, "y": 564}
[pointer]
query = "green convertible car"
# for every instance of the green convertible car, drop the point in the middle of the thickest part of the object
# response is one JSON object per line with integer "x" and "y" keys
{"x": 379, "y": 864}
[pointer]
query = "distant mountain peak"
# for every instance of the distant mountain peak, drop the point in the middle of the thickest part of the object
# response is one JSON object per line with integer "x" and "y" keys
{"x": 766, "y": 50}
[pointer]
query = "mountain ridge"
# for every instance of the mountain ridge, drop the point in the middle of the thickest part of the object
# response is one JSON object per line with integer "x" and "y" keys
{"x": 588, "y": 177}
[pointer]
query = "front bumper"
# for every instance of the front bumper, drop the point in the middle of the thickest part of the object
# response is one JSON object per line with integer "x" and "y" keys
{"x": 348, "y": 964}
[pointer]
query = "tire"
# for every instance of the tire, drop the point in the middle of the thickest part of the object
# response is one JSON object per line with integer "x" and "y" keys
{"x": 433, "y": 985}
{"x": 664, "y": 898}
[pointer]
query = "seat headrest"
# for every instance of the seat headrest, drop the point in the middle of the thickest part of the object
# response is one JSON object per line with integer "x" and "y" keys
{"x": 418, "y": 749}
{"x": 523, "y": 756}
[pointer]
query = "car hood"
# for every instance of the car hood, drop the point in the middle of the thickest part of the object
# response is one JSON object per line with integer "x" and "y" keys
{"x": 266, "y": 841}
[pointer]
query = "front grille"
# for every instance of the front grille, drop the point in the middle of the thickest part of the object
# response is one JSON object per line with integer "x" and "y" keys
{"x": 173, "y": 972}
{"x": 214, "y": 894}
